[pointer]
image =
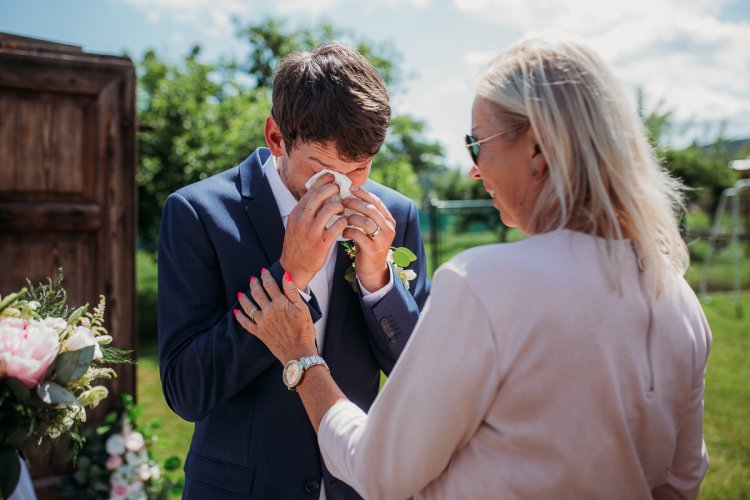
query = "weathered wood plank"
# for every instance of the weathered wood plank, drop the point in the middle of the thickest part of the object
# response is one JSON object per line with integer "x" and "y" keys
{"x": 60, "y": 217}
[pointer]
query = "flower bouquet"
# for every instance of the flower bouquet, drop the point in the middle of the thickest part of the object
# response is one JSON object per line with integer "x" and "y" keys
{"x": 50, "y": 360}
{"x": 116, "y": 462}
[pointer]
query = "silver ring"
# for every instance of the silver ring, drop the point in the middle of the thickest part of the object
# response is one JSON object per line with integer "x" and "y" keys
{"x": 374, "y": 233}
{"x": 252, "y": 313}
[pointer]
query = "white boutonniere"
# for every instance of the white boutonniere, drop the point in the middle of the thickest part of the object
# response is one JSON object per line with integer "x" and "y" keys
{"x": 399, "y": 257}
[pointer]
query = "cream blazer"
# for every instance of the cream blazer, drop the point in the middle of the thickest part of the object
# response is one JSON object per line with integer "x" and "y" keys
{"x": 529, "y": 376}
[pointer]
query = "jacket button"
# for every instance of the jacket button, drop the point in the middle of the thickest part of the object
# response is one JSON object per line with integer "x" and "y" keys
{"x": 312, "y": 486}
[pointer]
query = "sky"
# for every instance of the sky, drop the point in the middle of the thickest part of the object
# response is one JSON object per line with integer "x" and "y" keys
{"x": 691, "y": 57}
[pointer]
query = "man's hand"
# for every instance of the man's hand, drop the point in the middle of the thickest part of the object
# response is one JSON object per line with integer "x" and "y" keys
{"x": 374, "y": 240}
{"x": 307, "y": 241}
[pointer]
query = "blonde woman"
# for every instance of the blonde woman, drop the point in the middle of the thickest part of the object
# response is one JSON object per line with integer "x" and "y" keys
{"x": 567, "y": 365}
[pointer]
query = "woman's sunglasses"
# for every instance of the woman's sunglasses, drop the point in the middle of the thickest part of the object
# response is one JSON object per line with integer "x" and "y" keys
{"x": 472, "y": 144}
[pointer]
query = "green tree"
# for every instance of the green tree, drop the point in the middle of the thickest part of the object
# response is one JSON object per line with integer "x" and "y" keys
{"x": 199, "y": 121}
{"x": 453, "y": 184}
{"x": 703, "y": 170}
{"x": 271, "y": 39}
{"x": 704, "y": 174}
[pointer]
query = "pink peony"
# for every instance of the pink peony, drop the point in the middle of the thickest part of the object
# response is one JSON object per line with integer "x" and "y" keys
{"x": 113, "y": 462}
{"x": 27, "y": 348}
{"x": 119, "y": 490}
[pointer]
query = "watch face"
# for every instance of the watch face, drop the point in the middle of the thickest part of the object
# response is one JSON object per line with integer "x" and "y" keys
{"x": 292, "y": 373}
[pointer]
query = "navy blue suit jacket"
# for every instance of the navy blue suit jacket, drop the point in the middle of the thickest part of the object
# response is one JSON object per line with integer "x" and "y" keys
{"x": 252, "y": 437}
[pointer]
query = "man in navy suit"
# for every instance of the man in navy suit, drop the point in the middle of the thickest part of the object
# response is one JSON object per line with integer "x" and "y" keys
{"x": 252, "y": 437}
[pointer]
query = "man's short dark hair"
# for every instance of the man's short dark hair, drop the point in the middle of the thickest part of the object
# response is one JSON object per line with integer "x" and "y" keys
{"x": 331, "y": 94}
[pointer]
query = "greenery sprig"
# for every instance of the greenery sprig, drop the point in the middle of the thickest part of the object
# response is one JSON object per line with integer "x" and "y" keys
{"x": 399, "y": 257}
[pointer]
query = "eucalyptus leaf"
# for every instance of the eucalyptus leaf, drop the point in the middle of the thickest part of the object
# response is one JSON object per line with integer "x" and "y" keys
{"x": 412, "y": 255}
{"x": 10, "y": 470}
{"x": 72, "y": 364}
{"x": 402, "y": 256}
{"x": 52, "y": 393}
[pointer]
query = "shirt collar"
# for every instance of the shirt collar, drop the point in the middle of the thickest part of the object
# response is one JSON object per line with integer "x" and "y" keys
{"x": 284, "y": 198}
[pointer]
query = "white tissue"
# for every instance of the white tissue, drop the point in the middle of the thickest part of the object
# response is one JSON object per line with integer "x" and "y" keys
{"x": 344, "y": 183}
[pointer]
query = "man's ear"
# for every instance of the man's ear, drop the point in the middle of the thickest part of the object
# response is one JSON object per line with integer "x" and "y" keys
{"x": 274, "y": 139}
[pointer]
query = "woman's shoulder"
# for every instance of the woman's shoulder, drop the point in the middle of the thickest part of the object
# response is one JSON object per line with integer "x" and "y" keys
{"x": 533, "y": 252}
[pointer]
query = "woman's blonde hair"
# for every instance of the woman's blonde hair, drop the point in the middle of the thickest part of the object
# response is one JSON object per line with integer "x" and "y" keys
{"x": 603, "y": 177}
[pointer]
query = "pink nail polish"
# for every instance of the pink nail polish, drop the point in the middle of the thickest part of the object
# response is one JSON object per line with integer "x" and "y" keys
{"x": 262, "y": 270}
{"x": 287, "y": 276}
{"x": 239, "y": 295}
{"x": 252, "y": 278}
{"x": 235, "y": 311}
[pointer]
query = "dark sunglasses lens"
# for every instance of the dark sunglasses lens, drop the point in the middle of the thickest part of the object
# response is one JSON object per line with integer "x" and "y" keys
{"x": 473, "y": 148}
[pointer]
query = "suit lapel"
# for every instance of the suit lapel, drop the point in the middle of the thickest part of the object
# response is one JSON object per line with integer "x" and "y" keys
{"x": 341, "y": 295}
{"x": 261, "y": 207}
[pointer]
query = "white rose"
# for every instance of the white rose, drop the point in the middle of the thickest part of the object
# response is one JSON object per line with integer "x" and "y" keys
{"x": 115, "y": 444}
{"x": 82, "y": 337}
{"x": 155, "y": 472}
{"x": 144, "y": 472}
{"x": 408, "y": 274}
{"x": 134, "y": 441}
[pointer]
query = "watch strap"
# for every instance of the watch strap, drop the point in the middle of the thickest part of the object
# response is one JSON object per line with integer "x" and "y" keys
{"x": 314, "y": 360}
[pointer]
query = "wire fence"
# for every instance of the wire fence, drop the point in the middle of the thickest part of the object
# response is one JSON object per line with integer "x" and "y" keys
{"x": 450, "y": 227}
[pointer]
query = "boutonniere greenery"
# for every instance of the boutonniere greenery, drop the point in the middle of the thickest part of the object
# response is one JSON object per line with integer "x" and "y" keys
{"x": 399, "y": 257}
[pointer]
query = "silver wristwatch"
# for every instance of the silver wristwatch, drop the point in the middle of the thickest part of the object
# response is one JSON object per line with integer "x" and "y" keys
{"x": 294, "y": 370}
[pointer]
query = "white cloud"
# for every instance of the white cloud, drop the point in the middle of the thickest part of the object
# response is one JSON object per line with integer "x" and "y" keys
{"x": 216, "y": 15}
{"x": 396, "y": 3}
{"x": 676, "y": 50}
{"x": 310, "y": 7}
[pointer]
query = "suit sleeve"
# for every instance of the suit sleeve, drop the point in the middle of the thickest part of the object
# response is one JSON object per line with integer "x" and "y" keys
{"x": 391, "y": 320}
{"x": 205, "y": 356}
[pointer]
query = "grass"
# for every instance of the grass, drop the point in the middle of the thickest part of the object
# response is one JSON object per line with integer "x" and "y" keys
{"x": 727, "y": 399}
{"x": 175, "y": 433}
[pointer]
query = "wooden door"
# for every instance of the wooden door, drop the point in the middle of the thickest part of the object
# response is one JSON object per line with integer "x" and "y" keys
{"x": 67, "y": 189}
